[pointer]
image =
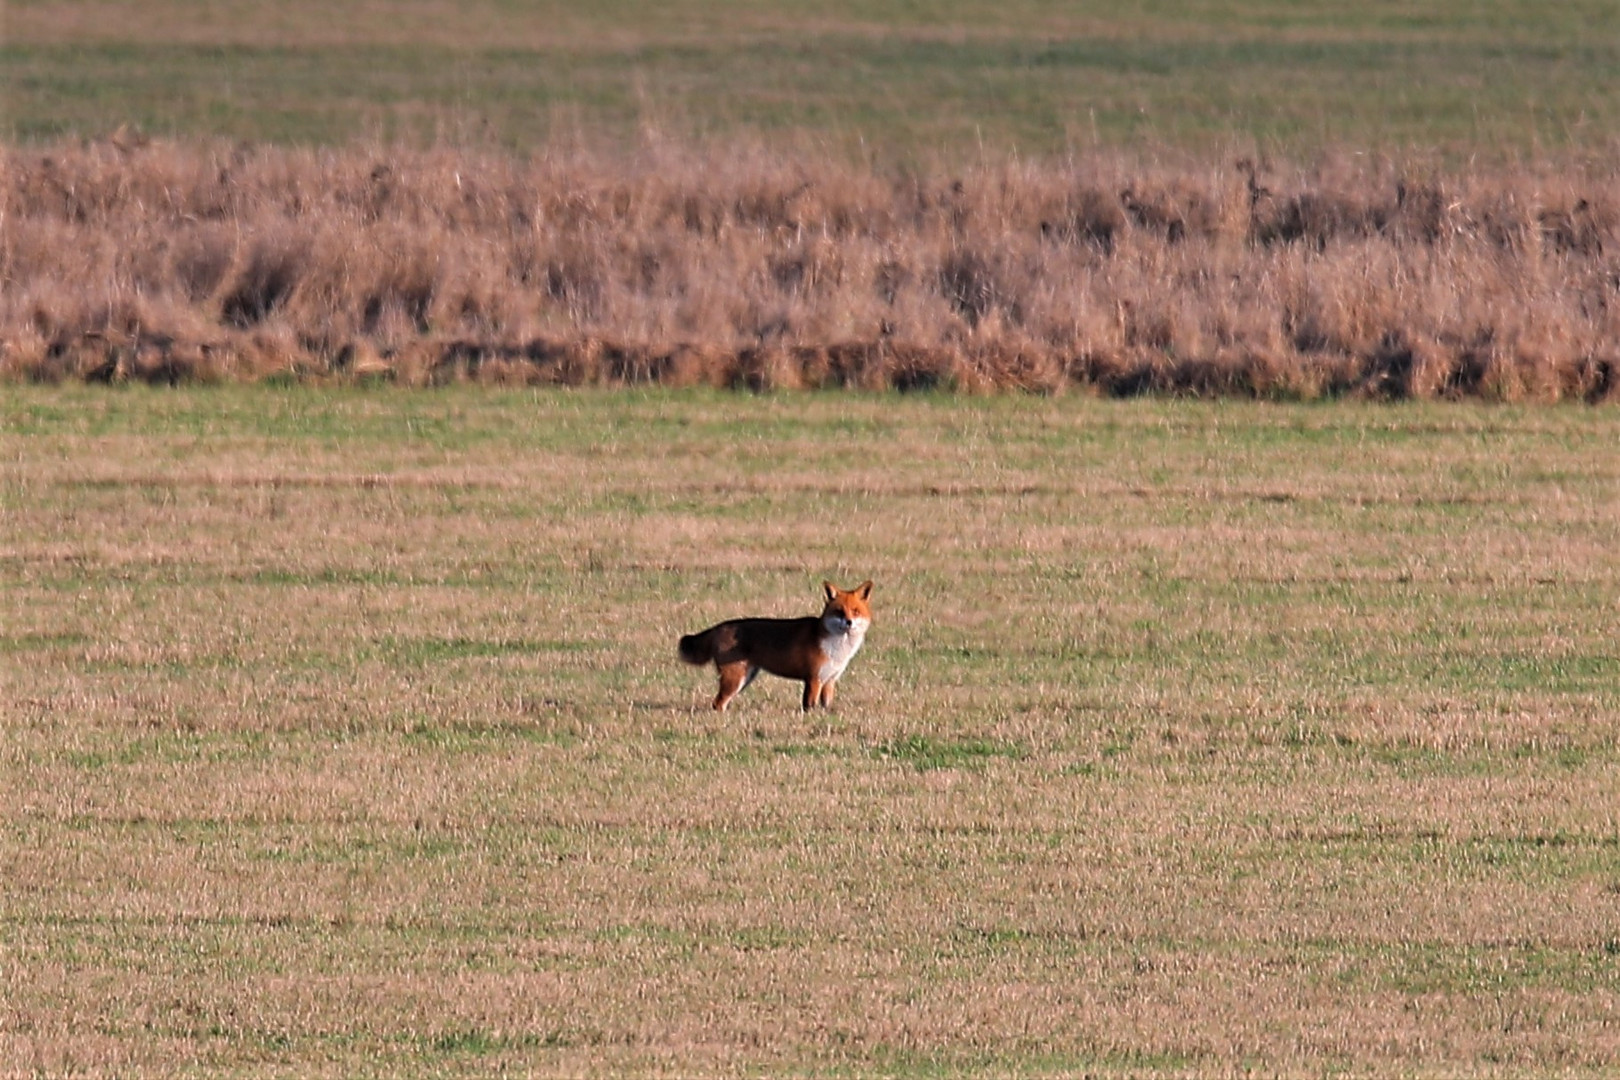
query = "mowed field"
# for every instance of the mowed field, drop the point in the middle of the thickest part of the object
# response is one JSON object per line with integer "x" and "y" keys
{"x": 343, "y": 734}
{"x": 341, "y": 727}
{"x": 955, "y": 79}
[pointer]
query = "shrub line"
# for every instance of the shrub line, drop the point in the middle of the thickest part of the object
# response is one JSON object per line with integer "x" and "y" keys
{"x": 1383, "y": 279}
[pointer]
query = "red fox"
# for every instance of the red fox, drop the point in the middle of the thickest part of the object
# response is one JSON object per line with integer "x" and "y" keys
{"x": 815, "y": 649}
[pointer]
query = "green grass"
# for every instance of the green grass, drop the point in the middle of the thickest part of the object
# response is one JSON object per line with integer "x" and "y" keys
{"x": 344, "y": 734}
{"x": 889, "y": 79}
{"x": 926, "y": 753}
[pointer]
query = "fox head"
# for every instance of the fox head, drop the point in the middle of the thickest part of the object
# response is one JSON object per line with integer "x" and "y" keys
{"x": 847, "y": 612}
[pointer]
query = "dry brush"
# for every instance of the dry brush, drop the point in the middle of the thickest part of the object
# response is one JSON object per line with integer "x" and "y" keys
{"x": 127, "y": 259}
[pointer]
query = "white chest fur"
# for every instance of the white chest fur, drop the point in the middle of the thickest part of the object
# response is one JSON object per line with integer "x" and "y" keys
{"x": 840, "y": 647}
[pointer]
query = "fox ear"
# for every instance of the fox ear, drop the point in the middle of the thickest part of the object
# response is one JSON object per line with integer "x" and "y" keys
{"x": 830, "y": 589}
{"x": 863, "y": 590}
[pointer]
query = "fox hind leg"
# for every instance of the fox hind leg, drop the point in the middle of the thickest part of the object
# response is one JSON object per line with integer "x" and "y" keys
{"x": 734, "y": 678}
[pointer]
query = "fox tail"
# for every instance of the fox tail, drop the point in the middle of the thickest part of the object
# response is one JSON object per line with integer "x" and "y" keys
{"x": 698, "y": 648}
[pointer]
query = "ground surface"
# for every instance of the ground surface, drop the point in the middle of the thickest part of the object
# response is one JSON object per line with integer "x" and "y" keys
{"x": 343, "y": 733}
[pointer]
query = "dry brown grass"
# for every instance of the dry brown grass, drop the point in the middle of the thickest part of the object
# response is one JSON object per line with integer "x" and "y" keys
{"x": 162, "y": 262}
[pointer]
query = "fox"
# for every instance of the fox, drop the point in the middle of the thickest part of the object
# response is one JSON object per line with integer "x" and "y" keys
{"x": 814, "y": 650}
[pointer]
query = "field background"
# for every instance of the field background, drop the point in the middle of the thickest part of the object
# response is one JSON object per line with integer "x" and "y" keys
{"x": 341, "y": 729}
{"x": 952, "y": 79}
{"x": 1261, "y": 199}
{"x": 344, "y": 734}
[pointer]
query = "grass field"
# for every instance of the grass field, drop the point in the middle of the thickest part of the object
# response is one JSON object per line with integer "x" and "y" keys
{"x": 342, "y": 731}
{"x": 894, "y": 79}
{"x": 344, "y": 735}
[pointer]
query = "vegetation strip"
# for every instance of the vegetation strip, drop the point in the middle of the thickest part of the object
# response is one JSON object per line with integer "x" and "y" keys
{"x": 175, "y": 262}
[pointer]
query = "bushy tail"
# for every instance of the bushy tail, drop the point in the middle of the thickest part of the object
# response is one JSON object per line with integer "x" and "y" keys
{"x": 698, "y": 648}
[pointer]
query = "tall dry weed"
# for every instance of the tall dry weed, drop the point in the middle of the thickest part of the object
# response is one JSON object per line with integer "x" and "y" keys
{"x": 739, "y": 268}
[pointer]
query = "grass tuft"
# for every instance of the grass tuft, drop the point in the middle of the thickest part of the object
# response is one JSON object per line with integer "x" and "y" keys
{"x": 924, "y": 752}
